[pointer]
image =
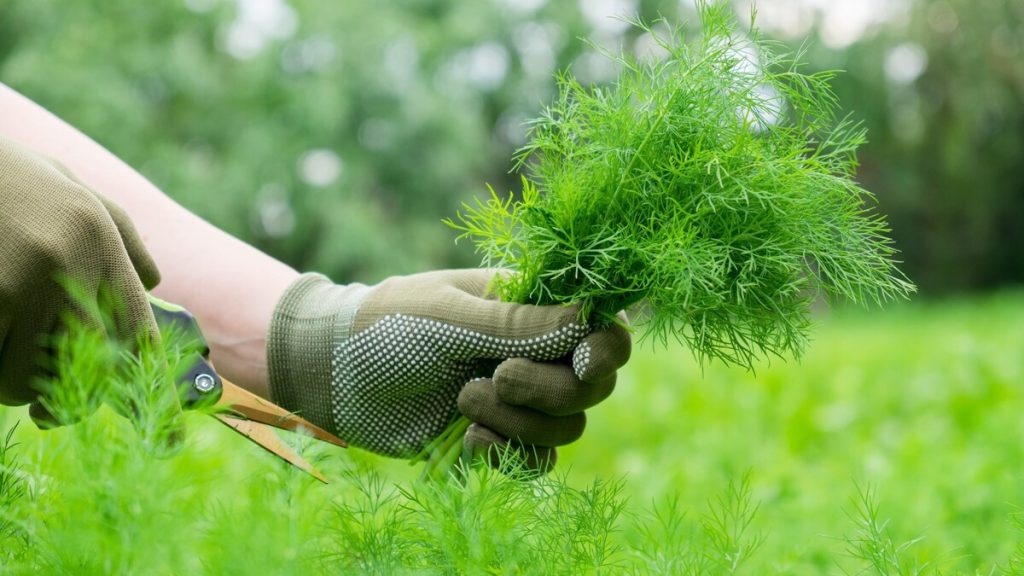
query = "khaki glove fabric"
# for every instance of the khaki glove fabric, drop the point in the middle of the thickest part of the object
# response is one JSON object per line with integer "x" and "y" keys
{"x": 385, "y": 367}
{"x": 54, "y": 229}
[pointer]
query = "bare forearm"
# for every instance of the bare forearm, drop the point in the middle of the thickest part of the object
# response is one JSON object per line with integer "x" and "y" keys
{"x": 230, "y": 286}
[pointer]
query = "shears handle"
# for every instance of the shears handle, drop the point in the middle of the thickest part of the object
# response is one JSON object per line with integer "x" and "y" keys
{"x": 199, "y": 384}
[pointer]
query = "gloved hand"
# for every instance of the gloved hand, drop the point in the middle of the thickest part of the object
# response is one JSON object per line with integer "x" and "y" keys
{"x": 54, "y": 229}
{"x": 384, "y": 367}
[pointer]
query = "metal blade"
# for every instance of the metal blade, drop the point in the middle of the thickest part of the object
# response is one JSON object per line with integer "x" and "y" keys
{"x": 240, "y": 400}
{"x": 265, "y": 437}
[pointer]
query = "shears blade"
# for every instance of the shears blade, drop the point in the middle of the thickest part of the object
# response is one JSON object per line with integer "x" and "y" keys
{"x": 266, "y": 438}
{"x": 238, "y": 399}
{"x": 259, "y": 415}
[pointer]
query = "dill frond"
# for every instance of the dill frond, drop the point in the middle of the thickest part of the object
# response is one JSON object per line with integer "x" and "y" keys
{"x": 711, "y": 191}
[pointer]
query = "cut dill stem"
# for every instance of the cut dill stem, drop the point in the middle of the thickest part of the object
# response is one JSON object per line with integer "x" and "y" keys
{"x": 711, "y": 190}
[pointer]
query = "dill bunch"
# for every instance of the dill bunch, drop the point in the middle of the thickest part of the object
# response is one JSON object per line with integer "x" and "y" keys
{"x": 712, "y": 191}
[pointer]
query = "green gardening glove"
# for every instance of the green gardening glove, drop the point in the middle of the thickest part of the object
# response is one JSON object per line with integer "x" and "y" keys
{"x": 53, "y": 229}
{"x": 386, "y": 367}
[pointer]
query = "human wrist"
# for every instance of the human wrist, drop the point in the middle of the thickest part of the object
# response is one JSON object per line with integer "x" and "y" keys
{"x": 313, "y": 317}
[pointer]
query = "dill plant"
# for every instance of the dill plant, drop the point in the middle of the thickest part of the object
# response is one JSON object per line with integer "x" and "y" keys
{"x": 873, "y": 544}
{"x": 98, "y": 498}
{"x": 12, "y": 485}
{"x": 711, "y": 191}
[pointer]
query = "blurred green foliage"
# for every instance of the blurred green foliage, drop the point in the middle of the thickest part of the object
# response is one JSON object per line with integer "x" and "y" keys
{"x": 941, "y": 90}
{"x": 918, "y": 403}
{"x": 336, "y": 136}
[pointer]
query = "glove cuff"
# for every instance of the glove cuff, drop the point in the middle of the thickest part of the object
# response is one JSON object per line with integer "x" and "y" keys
{"x": 313, "y": 318}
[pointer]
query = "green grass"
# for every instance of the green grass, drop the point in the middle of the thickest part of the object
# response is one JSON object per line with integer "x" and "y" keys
{"x": 922, "y": 404}
{"x": 895, "y": 447}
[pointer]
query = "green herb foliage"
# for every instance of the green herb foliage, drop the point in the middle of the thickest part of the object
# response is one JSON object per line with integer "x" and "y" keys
{"x": 921, "y": 403}
{"x": 712, "y": 187}
{"x": 12, "y": 486}
{"x": 873, "y": 544}
{"x": 221, "y": 505}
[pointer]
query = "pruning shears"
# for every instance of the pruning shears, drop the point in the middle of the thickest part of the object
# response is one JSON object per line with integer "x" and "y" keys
{"x": 241, "y": 410}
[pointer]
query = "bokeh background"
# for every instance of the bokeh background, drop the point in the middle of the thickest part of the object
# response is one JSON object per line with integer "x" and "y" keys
{"x": 338, "y": 135}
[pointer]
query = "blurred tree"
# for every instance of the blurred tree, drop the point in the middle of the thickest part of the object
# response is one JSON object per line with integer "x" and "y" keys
{"x": 336, "y": 136}
{"x": 941, "y": 89}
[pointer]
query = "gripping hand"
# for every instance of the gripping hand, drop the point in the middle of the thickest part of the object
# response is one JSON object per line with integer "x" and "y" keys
{"x": 53, "y": 230}
{"x": 386, "y": 367}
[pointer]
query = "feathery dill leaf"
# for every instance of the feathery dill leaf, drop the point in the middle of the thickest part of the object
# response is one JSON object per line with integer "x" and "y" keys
{"x": 711, "y": 190}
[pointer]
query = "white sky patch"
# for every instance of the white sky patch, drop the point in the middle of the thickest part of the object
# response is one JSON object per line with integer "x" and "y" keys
{"x": 521, "y": 6}
{"x": 905, "y": 63}
{"x": 314, "y": 54}
{"x": 592, "y": 67}
{"x": 841, "y": 22}
{"x": 401, "y": 63}
{"x": 320, "y": 167}
{"x": 788, "y": 19}
{"x": 511, "y": 127}
{"x": 538, "y": 44}
{"x": 604, "y": 15}
{"x": 256, "y": 24}
{"x": 483, "y": 66}
{"x": 488, "y": 65}
{"x": 274, "y": 212}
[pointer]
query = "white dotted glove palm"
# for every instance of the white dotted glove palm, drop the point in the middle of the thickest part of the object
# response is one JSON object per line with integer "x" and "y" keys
{"x": 386, "y": 367}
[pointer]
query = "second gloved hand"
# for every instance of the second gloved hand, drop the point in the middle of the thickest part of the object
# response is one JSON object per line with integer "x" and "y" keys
{"x": 385, "y": 367}
{"x": 54, "y": 233}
